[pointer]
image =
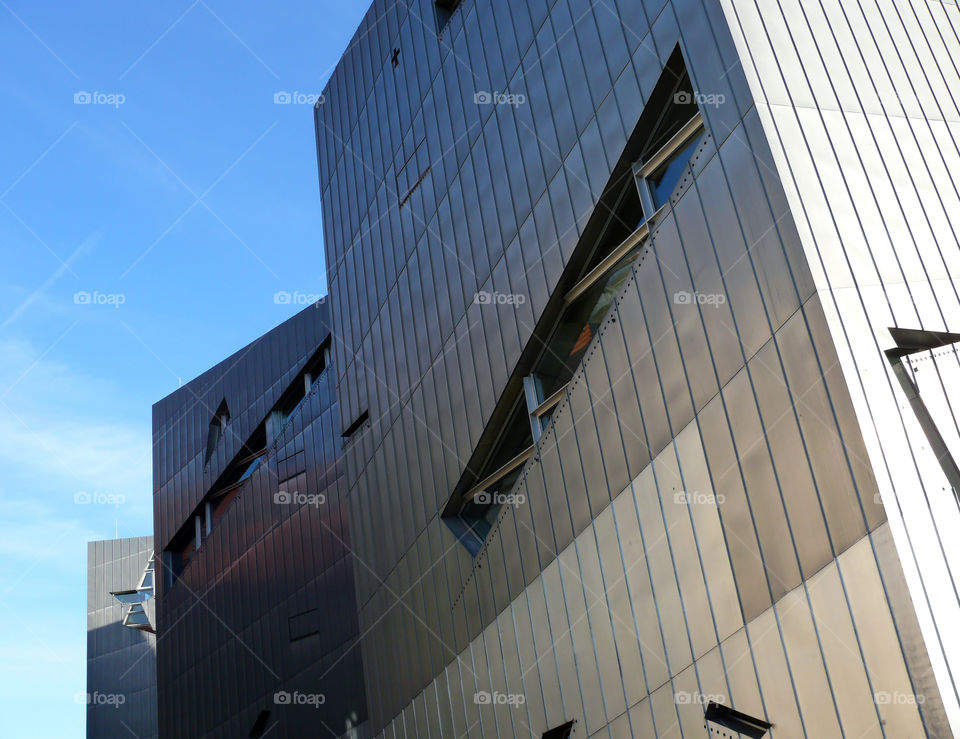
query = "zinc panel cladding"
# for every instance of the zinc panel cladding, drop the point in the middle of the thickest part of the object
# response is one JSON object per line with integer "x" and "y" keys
{"x": 707, "y": 438}
{"x": 228, "y": 650}
{"x": 861, "y": 110}
{"x": 121, "y": 662}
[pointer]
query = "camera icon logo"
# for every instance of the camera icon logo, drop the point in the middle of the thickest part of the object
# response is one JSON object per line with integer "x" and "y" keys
{"x": 81, "y": 98}
{"x": 281, "y": 498}
{"x": 281, "y": 698}
{"x": 682, "y": 98}
{"x": 281, "y": 98}
{"x": 683, "y": 297}
{"x": 483, "y": 298}
{"x": 482, "y": 98}
{"x": 281, "y": 298}
{"x": 82, "y": 498}
{"x": 81, "y": 298}
{"x": 483, "y": 498}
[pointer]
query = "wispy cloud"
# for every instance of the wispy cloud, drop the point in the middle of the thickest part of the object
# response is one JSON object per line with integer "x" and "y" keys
{"x": 67, "y": 266}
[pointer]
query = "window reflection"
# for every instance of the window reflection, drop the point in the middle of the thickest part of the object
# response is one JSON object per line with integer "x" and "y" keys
{"x": 663, "y": 183}
{"x": 577, "y": 327}
{"x": 478, "y": 514}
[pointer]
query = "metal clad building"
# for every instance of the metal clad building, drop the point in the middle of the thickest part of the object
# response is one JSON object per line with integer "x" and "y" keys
{"x": 724, "y": 500}
{"x": 121, "y": 691}
{"x": 256, "y": 612}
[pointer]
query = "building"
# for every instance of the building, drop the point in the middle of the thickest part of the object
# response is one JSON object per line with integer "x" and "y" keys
{"x": 256, "y": 616}
{"x": 121, "y": 693}
{"x": 630, "y": 447}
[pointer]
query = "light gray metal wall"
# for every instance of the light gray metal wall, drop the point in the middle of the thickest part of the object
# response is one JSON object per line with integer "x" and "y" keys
{"x": 784, "y": 596}
{"x": 121, "y": 662}
{"x": 859, "y": 101}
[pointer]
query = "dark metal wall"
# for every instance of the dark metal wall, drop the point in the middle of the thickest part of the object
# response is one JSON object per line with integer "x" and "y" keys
{"x": 265, "y": 611}
{"x": 121, "y": 662}
{"x": 774, "y": 592}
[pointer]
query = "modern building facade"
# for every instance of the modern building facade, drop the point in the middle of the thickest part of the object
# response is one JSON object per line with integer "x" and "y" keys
{"x": 121, "y": 693}
{"x": 256, "y": 615}
{"x": 630, "y": 447}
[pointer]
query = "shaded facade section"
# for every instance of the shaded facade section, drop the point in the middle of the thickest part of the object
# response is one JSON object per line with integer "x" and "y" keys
{"x": 256, "y": 609}
{"x": 121, "y": 691}
{"x": 698, "y": 519}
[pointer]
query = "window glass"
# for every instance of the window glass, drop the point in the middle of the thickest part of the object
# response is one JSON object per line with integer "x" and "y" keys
{"x": 577, "y": 327}
{"x": 477, "y": 516}
{"x": 663, "y": 183}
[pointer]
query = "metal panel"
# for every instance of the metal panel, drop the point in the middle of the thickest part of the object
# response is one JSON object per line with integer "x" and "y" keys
{"x": 801, "y": 640}
{"x": 665, "y": 715}
{"x": 791, "y": 463}
{"x": 763, "y": 491}
{"x": 849, "y": 679}
{"x": 874, "y": 625}
{"x": 640, "y": 591}
{"x": 774, "y": 676}
{"x": 662, "y": 573}
{"x": 676, "y": 503}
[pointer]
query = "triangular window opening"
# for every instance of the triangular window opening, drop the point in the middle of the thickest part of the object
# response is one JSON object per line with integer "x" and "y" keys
{"x": 217, "y": 424}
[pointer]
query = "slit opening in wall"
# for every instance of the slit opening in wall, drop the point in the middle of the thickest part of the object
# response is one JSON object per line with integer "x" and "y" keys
{"x": 260, "y": 725}
{"x": 559, "y": 732}
{"x": 353, "y": 427}
{"x": 215, "y": 431}
{"x": 720, "y": 718}
{"x": 444, "y": 10}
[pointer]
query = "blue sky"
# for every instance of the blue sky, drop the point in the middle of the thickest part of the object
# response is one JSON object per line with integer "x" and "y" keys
{"x": 144, "y": 234}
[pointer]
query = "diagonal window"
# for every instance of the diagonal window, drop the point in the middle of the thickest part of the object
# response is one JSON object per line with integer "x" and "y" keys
{"x": 482, "y": 502}
{"x": 653, "y": 172}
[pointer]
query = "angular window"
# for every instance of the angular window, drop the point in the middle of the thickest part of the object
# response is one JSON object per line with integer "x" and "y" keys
{"x": 559, "y": 732}
{"x": 671, "y": 131}
{"x": 927, "y": 381}
{"x": 260, "y": 725}
{"x": 357, "y": 423}
{"x": 444, "y": 10}
{"x": 482, "y": 502}
{"x": 653, "y": 168}
{"x": 217, "y": 424}
{"x": 723, "y": 721}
